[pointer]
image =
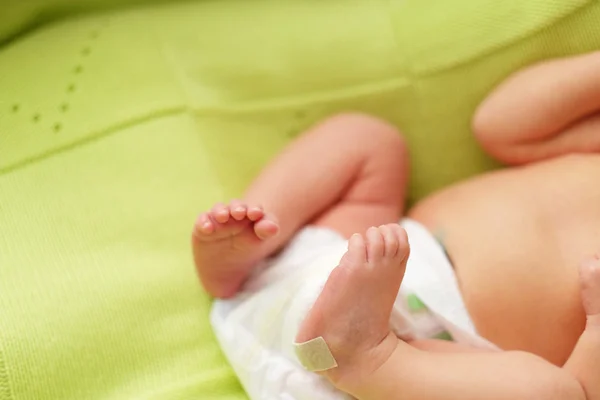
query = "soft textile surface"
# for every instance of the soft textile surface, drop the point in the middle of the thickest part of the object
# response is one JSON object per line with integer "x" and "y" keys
{"x": 118, "y": 126}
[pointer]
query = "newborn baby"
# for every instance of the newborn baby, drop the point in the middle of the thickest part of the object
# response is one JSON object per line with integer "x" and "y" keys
{"x": 318, "y": 232}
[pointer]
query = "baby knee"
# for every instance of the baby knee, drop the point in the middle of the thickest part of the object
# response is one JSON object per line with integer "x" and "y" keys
{"x": 371, "y": 133}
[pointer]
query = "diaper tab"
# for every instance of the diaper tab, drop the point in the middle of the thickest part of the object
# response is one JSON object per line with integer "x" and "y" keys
{"x": 314, "y": 355}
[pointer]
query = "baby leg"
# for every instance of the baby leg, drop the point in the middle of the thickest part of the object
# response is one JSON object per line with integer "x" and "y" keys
{"x": 347, "y": 173}
{"x": 584, "y": 362}
{"x": 546, "y": 110}
{"x": 372, "y": 364}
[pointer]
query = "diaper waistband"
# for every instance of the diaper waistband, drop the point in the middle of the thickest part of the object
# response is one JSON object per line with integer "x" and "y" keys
{"x": 431, "y": 277}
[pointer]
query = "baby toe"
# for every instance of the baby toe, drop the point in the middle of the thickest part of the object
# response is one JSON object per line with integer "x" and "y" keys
{"x": 403, "y": 245}
{"x": 255, "y": 213}
{"x": 390, "y": 240}
{"x": 375, "y": 245}
{"x": 220, "y": 212}
{"x": 357, "y": 250}
{"x": 238, "y": 210}
{"x": 204, "y": 225}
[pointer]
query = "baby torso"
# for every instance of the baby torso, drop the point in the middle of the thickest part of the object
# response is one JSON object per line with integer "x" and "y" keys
{"x": 516, "y": 238}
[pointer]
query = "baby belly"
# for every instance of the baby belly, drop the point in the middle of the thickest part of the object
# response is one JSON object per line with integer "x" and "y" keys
{"x": 516, "y": 239}
{"x": 517, "y": 271}
{"x": 520, "y": 290}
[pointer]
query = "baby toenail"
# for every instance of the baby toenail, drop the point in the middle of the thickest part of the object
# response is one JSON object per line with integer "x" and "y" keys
{"x": 239, "y": 209}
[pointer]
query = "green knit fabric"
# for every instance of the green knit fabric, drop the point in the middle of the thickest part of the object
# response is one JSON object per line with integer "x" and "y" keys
{"x": 117, "y": 126}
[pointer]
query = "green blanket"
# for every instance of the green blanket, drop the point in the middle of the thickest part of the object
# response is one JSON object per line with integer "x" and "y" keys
{"x": 117, "y": 126}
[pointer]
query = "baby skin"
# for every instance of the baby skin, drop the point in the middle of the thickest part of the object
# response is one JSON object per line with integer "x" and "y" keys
{"x": 536, "y": 296}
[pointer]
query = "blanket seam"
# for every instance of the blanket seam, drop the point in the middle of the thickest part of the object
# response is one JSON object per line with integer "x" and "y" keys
{"x": 88, "y": 139}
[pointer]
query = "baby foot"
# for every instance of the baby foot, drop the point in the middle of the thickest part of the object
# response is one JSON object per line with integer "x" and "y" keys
{"x": 352, "y": 313}
{"x": 589, "y": 273}
{"x": 227, "y": 242}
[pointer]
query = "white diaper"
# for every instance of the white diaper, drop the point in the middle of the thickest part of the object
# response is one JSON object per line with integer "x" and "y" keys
{"x": 257, "y": 328}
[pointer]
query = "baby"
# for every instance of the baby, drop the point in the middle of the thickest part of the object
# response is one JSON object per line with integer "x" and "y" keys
{"x": 519, "y": 244}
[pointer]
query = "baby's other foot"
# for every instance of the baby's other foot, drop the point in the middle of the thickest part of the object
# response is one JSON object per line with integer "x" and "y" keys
{"x": 352, "y": 313}
{"x": 589, "y": 273}
{"x": 227, "y": 243}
